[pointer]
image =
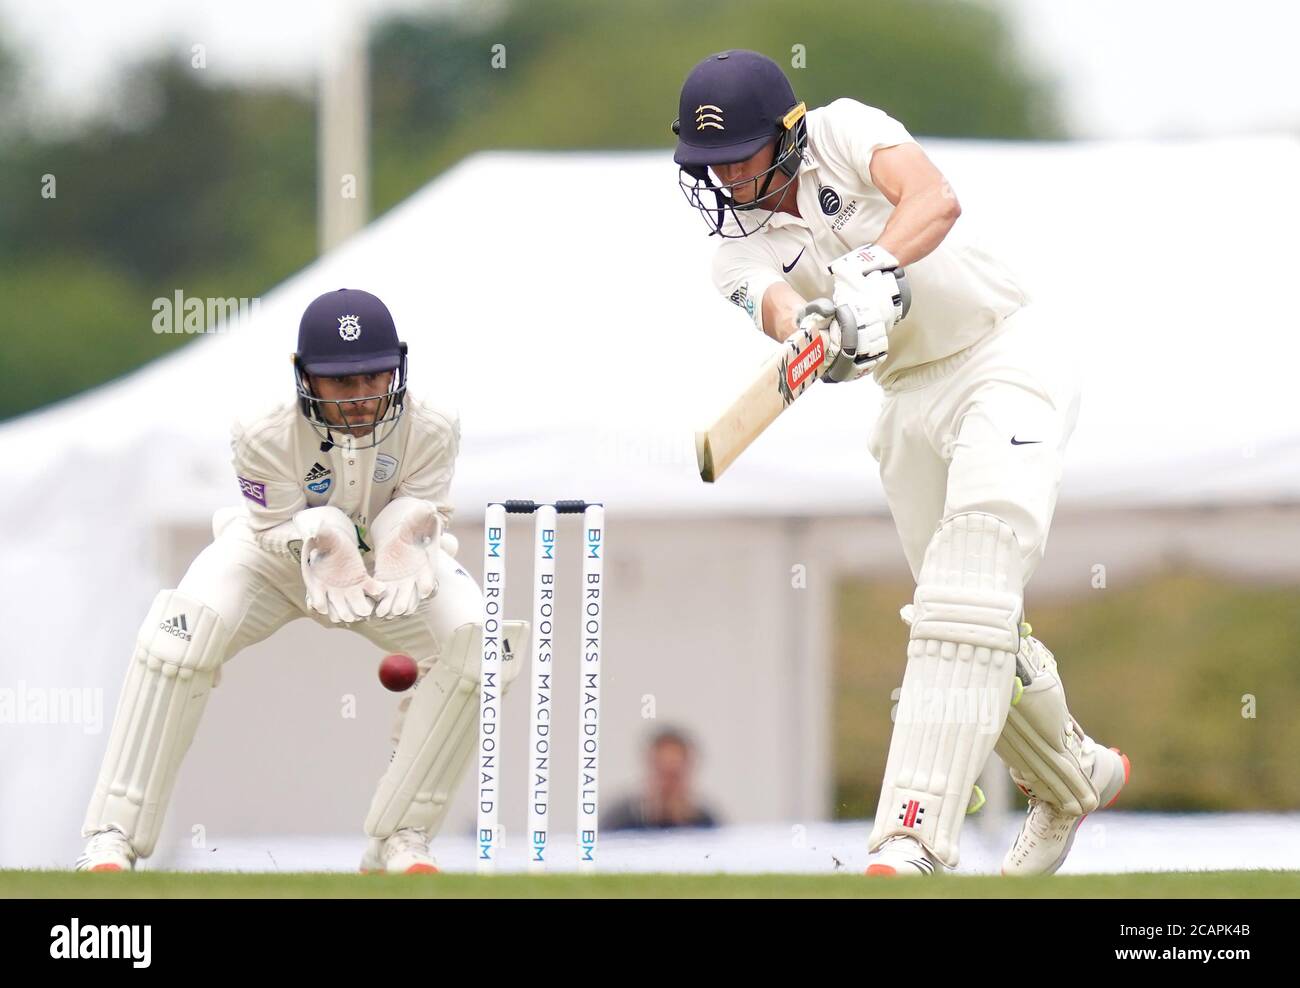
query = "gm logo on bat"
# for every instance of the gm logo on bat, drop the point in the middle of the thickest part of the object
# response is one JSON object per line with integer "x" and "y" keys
{"x": 804, "y": 364}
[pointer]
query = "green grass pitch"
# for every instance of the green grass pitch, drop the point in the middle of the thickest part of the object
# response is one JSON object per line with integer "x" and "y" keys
{"x": 161, "y": 884}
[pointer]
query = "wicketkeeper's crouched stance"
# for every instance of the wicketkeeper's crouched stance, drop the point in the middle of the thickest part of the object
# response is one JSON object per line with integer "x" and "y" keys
{"x": 818, "y": 213}
{"x": 353, "y": 468}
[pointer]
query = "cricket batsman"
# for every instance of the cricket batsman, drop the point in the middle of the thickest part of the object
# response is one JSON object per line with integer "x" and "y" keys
{"x": 835, "y": 219}
{"x": 345, "y": 500}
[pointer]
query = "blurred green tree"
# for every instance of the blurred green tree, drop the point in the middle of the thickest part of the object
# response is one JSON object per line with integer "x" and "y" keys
{"x": 207, "y": 189}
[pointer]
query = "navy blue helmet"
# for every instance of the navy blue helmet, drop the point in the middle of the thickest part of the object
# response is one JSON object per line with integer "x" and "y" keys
{"x": 733, "y": 104}
{"x": 345, "y": 333}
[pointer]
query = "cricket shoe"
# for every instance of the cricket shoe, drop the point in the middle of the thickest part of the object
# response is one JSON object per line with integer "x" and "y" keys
{"x": 903, "y": 855}
{"x": 1047, "y": 834}
{"x": 405, "y": 852}
{"x": 107, "y": 850}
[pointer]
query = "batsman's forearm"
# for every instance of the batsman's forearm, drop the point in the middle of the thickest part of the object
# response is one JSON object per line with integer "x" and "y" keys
{"x": 781, "y": 304}
{"x": 919, "y": 223}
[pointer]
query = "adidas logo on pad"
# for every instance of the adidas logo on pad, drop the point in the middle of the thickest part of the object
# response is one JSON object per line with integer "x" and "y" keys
{"x": 177, "y": 627}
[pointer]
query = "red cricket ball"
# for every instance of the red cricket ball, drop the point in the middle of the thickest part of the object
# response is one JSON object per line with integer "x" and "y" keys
{"x": 398, "y": 672}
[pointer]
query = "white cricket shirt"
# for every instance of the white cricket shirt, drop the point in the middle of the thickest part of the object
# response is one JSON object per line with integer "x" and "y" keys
{"x": 281, "y": 468}
{"x": 960, "y": 292}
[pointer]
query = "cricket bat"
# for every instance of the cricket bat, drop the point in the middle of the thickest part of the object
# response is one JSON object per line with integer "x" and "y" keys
{"x": 785, "y": 376}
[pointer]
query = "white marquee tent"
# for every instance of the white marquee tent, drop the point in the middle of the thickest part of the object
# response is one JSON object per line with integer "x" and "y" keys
{"x": 583, "y": 344}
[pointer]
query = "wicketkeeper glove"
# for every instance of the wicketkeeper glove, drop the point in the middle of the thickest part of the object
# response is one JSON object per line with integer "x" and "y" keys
{"x": 407, "y": 534}
{"x": 333, "y": 571}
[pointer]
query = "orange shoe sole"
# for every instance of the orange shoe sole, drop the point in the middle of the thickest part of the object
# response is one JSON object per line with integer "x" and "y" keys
{"x": 413, "y": 870}
{"x": 1128, "y": 770}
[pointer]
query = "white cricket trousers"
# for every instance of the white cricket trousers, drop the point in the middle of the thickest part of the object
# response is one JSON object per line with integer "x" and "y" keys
{"x": 982, "y": 430}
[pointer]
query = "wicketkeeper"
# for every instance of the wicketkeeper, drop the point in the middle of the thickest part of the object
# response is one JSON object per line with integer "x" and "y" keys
{"x": 818, "y": 214}
{"x": 345, "y": 502}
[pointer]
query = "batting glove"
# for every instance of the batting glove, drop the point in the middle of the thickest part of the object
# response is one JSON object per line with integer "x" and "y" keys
{"x": 871, "y": 283}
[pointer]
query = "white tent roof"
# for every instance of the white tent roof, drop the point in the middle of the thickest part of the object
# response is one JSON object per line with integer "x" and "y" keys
{"x": 584, "y": 345}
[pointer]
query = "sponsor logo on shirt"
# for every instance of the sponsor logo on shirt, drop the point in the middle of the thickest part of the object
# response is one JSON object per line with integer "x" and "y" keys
{"x": 741, "y": 298}
{"x": 318, "y": 478}
{"x": 252, "y": 490}
{"x": 829, "y": 200}
{"x": 385, "y": 467}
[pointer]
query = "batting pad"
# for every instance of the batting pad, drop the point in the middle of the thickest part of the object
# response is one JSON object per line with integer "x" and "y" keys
{"x": 957, "y": 684}
{"x": 178, "y": 650}
{"x": 1049, "y": 755}
{"x": 438, "y": 733}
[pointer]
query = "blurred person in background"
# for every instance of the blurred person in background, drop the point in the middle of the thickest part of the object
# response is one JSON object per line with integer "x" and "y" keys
{"x": 350, "y": 471}
{"x": 667, "y": 799}
{"x": 835, "y": 223}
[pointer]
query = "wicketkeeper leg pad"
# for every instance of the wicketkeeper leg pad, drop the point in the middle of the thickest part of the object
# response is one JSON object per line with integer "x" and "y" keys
{"x": 957, "y": 684}
{"x": 180, "y": 647}
{"x": 438, "y": 733}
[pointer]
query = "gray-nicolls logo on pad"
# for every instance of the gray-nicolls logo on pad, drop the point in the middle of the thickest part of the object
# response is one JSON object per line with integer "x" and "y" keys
{"x": 102, "y": 942}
